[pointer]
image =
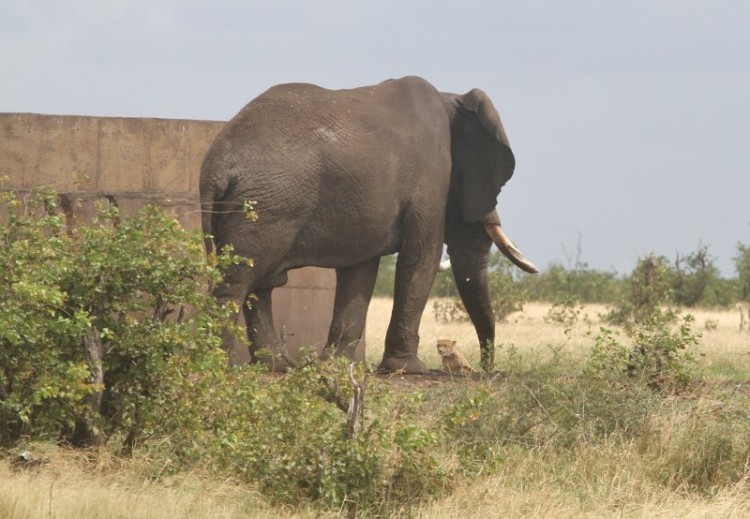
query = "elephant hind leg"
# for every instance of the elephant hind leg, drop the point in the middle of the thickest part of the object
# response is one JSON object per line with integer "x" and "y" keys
{"x": 237, "y": 284}
{"x": 233, "y": 288}
{"x": 354, "y": 287}
{"x": 261, "y": 331}
{"x": 265, "y": 343}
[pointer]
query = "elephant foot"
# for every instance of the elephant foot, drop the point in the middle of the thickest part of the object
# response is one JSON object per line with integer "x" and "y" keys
{"x": 406, "y": 365}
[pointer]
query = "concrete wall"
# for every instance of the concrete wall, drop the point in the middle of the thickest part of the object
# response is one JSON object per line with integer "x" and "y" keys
{"x": 134, "y": 160}
{"x": 139, "y": 161}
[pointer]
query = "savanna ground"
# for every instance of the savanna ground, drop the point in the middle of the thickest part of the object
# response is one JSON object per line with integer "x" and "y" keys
{"x": 604, "y": 478}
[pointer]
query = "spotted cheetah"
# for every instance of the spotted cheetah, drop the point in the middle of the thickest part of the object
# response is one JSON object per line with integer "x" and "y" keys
{"x": 453, "y": 359}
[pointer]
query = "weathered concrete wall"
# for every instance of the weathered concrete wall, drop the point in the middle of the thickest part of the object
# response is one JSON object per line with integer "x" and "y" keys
{"x": 139, "y": 161}
{"x": 134, "y": 160}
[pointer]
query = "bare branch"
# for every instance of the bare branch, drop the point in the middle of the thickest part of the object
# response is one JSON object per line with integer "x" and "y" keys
{"x": 356, "y": 404}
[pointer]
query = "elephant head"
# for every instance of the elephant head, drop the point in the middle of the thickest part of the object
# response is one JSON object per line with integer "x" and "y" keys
{"x": 482, "y": 162}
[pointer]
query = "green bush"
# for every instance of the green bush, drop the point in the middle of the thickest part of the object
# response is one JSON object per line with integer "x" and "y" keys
{"x": 107, "y": 333}
{"x": 506, "y": 294}
{"x": 288, "y": 436}
{"x": 449, "y": 310}
{"x": 92, "y": 315}
{"x": 565, "y": 313}
{"x": 648, "y": 290}
{"x": 653, "y": 353}
{"x": 582, "y": 283}
{"x": 695, "y": 279}
{"x": 742, "y": 265}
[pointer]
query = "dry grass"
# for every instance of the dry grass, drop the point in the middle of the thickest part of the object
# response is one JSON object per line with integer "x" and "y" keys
{"x": 599, "y": 480}
{"x": 495, "y": 497}
{"x": 70, "y": 486}
{"x": 525, "y": 331}
{"x": 598, "y": 483}
{"x": 726, "y": 348}
{"x": 528, "y": 333}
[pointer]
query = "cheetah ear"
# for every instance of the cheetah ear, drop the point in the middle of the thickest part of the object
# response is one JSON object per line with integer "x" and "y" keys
{"x": 453, "y": 343}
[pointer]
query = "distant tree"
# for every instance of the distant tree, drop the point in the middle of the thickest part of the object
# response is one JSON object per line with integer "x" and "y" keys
{"x": 386, "y": 276}
{"x": 694, "y": 275}
{"x": 444, "y": 285}
{"x": 648, "y": 289}
{"x": 578, "y": 283}
{"x": 742, "y": 265}
{"x": 506, "y": 293}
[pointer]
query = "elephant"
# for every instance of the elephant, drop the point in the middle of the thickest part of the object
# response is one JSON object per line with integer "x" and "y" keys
{"x": 339, "y": 178}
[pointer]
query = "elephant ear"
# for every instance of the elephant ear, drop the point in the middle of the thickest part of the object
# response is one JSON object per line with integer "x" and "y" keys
{"x": 482, "y": 159}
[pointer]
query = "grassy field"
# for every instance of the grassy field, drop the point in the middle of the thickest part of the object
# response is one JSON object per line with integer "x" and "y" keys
{"x": 530, "y": 335}
{"x": 607, "y": 478}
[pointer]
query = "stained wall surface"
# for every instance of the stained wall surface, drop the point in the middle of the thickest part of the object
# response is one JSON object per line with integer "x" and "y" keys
{"x": 135, "y": 161}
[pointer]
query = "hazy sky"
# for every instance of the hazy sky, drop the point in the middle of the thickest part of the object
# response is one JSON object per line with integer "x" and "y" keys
{"x": 630, "y": 120}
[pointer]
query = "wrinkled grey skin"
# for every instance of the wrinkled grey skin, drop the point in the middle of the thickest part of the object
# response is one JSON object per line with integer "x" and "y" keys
{"x": 341, "y": 177}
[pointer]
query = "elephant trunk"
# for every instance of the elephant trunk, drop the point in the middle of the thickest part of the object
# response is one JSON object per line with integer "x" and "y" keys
{"x": 469, "y": 250}
{"x": 469, "y": 264}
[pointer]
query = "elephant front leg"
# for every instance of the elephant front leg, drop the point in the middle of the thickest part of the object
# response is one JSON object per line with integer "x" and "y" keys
{"x": 415, "y": 273}
{"x": 354, "y": 287}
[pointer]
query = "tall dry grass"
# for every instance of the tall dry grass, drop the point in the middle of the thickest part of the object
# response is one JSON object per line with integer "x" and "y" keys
{"x": 526, "y": 487}
{"x": 725, "y": 349}
{"x": 622, "y": 497}
{"x": 526, "y": 331}
{"x": 72, "y": 486}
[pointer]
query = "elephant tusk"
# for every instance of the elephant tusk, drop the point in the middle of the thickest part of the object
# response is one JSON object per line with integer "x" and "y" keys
{"x": 503, "y": 243}
{"x": 444, "y": 265}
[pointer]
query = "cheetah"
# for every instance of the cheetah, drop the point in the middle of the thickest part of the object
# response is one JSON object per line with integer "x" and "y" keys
{"x": 453, "y": 359}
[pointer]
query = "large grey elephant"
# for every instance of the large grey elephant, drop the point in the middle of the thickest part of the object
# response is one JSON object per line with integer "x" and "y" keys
{"x": 340, "y": 178}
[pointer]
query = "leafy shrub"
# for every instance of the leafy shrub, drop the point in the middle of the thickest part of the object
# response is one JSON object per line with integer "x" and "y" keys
{"x": 288, "y": 436}
{"x": 448, "y": 311}
{"x": 695, "y": 278}
{"x": 654, "y": 353}
{"x": 648, "y": 289}
{"x": 742, "y": 266}
{"x": 107, "y": 333}
{"x": 583, "y": 283}
{"x": 477, "y": 434}
{"x": 93, "y": 314}
{"x": 506, "y": 294}
{"x": 565, "y": 313}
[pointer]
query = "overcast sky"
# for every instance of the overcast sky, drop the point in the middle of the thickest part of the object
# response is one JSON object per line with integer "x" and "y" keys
{"x": 630, "y": 120}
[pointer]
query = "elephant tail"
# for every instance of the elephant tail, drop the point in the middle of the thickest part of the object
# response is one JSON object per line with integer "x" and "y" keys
{"x": 210, "y": 191}
{"x": 207, "y": 208}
